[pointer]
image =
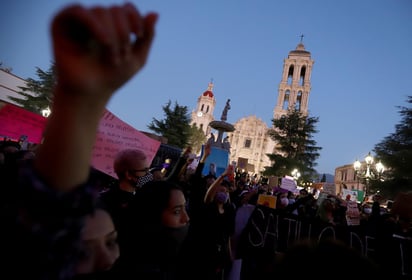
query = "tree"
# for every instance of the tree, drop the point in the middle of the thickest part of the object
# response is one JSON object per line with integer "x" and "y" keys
{"x": 175, "y": 126}
{"x": 395, "y": 152}
{"x": 42, "y": 89}
{"x": 197, "y": 138}
{"x": 295, "y": 146}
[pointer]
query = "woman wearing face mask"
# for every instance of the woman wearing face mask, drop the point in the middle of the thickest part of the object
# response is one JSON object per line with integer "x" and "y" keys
{"x": 159, "y": 227}
{"x": 99, "y": 247}
{"x": 282, "y": 200}
{"x": 211, "y": 253}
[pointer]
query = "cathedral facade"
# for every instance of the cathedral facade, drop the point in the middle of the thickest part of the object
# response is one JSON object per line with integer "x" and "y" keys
{"x": 250, "y": 142}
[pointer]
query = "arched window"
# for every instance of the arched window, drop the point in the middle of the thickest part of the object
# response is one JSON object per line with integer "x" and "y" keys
{"x": 286, "y": 100}
{"x": 302, "y": 76}
{"x": 298, "y": 103}
{"x": 248, "y": 143}
{"x": 290, "y": 74}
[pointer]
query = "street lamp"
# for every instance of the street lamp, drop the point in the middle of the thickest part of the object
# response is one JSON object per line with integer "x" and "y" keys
{"x": 307, "y": 185}
{"x": 295, "y": 174}
{"x": 369, "y": 171}
{"x": 46, "y": 112}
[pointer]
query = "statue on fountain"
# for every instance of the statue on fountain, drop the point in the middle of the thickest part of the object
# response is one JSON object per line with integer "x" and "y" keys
{"x": 225, "y": 110}
{"x": 221, "y": 126}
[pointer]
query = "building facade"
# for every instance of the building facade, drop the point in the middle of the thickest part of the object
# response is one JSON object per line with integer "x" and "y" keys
{"x": 250, "y": 142}
{"x": 10, "y": 86}
{"x": 249, "y": 145}
{"x": 345, "y": 178}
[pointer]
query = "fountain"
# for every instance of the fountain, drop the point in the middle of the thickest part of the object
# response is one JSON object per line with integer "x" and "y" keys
{"x": 221, "y": 126}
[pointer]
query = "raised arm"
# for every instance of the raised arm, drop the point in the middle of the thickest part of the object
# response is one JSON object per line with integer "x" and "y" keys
{"x": 206, "y": 153}
{"x": 210, "y": 194}
{"x": 96, "y": 51}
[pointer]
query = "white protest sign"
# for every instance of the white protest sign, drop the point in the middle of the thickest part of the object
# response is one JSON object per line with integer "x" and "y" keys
{"x": 288, "y": 183}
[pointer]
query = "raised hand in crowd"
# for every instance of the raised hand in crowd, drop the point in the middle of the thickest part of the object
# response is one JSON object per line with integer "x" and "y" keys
{"x": 215, "y": 186}
{"x": 96, "y": 51}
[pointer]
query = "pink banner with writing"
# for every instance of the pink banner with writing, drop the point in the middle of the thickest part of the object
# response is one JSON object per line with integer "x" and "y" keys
{"x": 16, "y": 121}
{"x": 115, "y": 135}
{"x": 112, "y": 136}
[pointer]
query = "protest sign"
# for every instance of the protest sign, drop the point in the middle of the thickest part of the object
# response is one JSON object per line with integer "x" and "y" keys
{"x": 16, "y": 121}
{"x": 114, "y": 135}
{"x": 272, "y": 231}
{"x": 216, "y": 162}
{"x": 288, "y": 183}
{"x": 267, "y": 200}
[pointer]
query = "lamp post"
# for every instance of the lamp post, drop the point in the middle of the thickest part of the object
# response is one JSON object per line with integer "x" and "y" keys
{"x": 295, "y": 174}
{"x": 368, "y": 171}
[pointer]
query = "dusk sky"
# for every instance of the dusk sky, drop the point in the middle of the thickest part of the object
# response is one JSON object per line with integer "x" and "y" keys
{"x": 362, "y": 52}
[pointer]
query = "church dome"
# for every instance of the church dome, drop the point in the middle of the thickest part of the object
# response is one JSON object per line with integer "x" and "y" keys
{"x": 208, "y": 93}
{"x": 300, "y": 50}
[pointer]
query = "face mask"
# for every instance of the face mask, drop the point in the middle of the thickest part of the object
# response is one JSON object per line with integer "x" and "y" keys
{"x": 173, "y": 239}
{"x": 367, "y": 210}
{"x": 179, "y": 234}
{"x": 284, "y": 201}
{"x": 221, "y": 197}
{"x": 144, "y": 179}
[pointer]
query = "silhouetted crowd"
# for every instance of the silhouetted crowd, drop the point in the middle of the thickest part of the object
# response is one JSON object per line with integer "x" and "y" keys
{"x": 63, "y": 219}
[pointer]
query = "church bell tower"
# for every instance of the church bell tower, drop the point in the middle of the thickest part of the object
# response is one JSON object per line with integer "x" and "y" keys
{"x": 295, "y": 86}
{"x": 203, "y": 114}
